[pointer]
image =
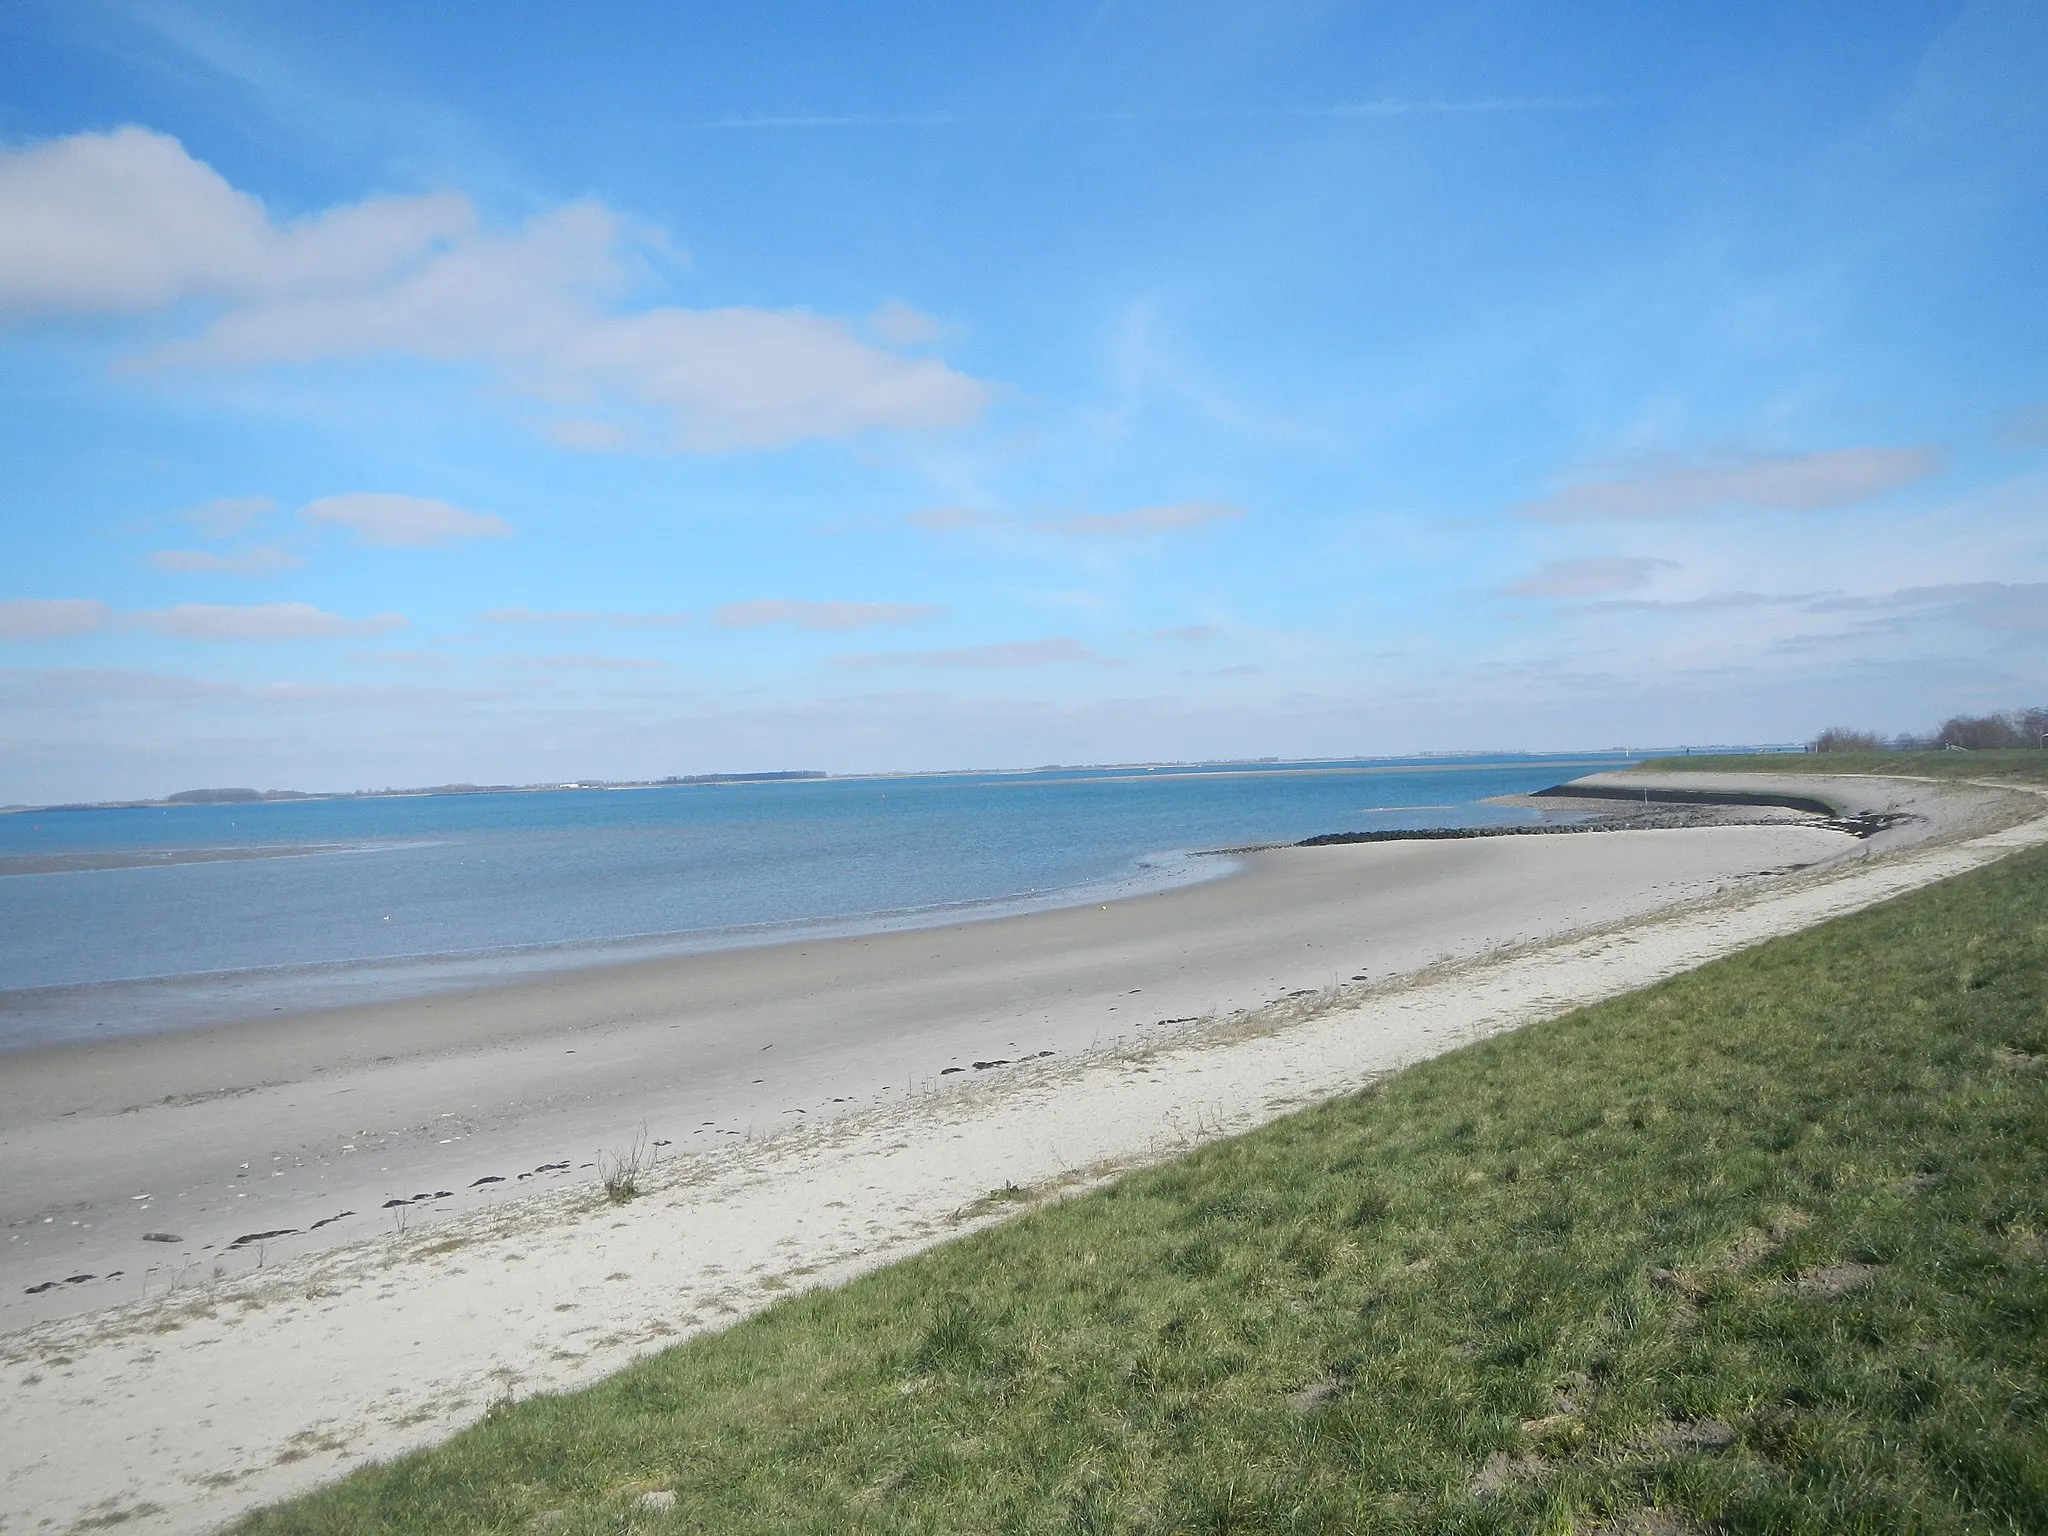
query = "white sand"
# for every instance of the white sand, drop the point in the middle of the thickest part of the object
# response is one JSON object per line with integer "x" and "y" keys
{"x": 189, "y": 1406}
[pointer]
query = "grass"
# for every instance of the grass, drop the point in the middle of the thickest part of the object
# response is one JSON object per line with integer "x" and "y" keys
{"x": 620, "y": 1173}
{"x": 2026, "y": 765}
{"x": 1760, "y": 1249}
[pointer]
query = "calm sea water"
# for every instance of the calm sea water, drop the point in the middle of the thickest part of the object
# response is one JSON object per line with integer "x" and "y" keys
{"x": 383, "y": 898}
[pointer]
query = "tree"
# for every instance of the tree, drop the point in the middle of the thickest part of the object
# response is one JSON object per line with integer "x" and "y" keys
{"x": 1840, "y": 738}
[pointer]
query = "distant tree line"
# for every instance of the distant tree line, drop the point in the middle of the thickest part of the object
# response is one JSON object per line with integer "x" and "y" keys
{"x": 1969, "y": 733}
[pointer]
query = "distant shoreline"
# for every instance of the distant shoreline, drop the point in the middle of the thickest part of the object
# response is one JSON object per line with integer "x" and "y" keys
{"x": 1591, "y": 758}
{"x": 217, "y": 797}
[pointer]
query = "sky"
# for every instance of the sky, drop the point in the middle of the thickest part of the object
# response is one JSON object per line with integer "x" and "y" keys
{"x": 397, "y": 394}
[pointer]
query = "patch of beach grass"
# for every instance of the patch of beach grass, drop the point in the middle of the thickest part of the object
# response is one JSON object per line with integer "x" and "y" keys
{"x": 1757, "y": 1249}
{"x": 2024, "y": 765}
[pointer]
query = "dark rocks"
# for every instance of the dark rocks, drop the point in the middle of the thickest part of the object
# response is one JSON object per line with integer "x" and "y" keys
{"x": 161, "y": 1237}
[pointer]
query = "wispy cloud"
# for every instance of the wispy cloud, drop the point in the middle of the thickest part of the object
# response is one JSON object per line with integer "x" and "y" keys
{"x": 431, "y": 661}
{"x": 260, "y": 621}
{"x": 1138, "y": 522}
{"x": 821, "y": 615}
{"x": 581, "y": 661}
{"x": 261, "y": 560}
{"x": 225, "y": 516}
{"x": 1711, "y": 602}
{"x": 1997, "y": 605}
{"x": 403, "y": 522}
{"x": 1804, "y": 482}
{"x": 1586, "y": 578}
{"x": 1062, "y": 650}
{"x": 2024, "y": 428}
{"x": 896, "y": 323}
{"x": 950, "y": 519}
{"x": 618, "y": 620}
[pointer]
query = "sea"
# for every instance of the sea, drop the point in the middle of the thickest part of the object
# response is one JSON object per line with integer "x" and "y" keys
{"x": 121, "y": 921}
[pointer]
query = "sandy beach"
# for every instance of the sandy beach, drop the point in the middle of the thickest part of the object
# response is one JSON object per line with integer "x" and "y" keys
{"x": 313, "y": 1240}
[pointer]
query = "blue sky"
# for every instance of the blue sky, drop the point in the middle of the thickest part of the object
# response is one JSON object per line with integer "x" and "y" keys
{"x": 398, "y": 394}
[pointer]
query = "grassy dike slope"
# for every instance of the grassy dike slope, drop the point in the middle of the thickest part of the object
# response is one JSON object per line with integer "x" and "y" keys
{"x": 1758, "y": 1249}
{"x": 2024, "y": 766}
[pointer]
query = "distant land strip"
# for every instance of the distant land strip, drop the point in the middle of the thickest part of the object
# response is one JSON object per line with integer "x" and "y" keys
{"x": 265, "y": 796}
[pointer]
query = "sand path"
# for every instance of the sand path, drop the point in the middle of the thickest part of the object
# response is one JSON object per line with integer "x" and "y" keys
{"x": 201, "y": 1394}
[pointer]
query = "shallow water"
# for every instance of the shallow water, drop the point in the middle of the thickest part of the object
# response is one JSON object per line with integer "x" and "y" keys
{"x": 244, "y": 910}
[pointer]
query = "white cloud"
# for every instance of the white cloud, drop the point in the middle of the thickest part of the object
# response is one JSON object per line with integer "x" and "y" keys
{"x": 225, "y": 516}
{"x": 261, "y": 621}
{"x": 128, "y": 221}
{"x": 262, "y": 560}
{"x": 826, "y": 615}
{"x": 407, "y": 522}
{"x": 1586, "y": 578}
{"x": 51, "y": 618}
{"x": 1061, "y": 650}
{"x": 1806, "y": 482}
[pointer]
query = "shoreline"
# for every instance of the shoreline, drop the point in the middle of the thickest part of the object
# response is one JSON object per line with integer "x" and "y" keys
{"x": 206, "y": 949}
{"x": 1241, "y": 1016}
{"x": 210, "y": 998}
{"x": 53, "y": 1014}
